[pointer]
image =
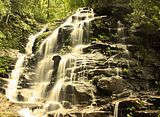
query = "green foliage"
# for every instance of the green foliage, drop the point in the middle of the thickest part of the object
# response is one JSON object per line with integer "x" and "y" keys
{"x": 38, "y": 41}
{"x": 3, "y": 9}
{"x": 146, "y": 14}
{"x": 4, "y": 65}
{"x": 18, "y": 18}
{"x": 131, "y": 109}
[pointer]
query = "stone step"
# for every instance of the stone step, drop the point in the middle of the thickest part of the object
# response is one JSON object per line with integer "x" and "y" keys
{"x": 147, "y": 113}
{"x": 82, "y": 114}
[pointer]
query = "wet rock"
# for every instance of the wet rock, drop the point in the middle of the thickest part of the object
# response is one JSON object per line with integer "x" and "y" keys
{"x": 155, "y": 101}
{"x": 2, "y": 90}
{"x": 52, "y": 106}
{"x": 126, "y": 107}
{"x": 82, "y": 114}
{"x": 24, "y": 82}
{"x": 124, "y": 94}
{"x": 142, "y": 73}
{"x": 78, "y": 93}
{"x": 102, "y": 46}
{"x": 147, "y": 113}
{"x": 66, "y": 104}
{"x": 56, "y": 60}
{"x": 107, "y": 72}
{"x": 113, "y": 84}
{"x": 63, "y": 35}
{"x": 133, "y": 63}
{"x": 138, "y": 84}
{"x": 20, "y": 97}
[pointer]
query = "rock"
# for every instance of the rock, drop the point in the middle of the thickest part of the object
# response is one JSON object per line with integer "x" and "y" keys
{"x": 78, "y": 93}
{"x": 82, "y": 114}
{"x": 56, "y": 60}
{"x": 126, "y": 107}
{"x": 52, "y": 106}
{"x": 66, "y": 104}
{"x": 147, "y": 113}
{"x": 113, "y": 84}
{"x": 155, "y": 101}
{"x": 101, "y": 47}
{"x": 142, "y": 73}
{"x": 2, "y": 90}
{"x": 107, "y": 72}
{"x": 20, "y": 97}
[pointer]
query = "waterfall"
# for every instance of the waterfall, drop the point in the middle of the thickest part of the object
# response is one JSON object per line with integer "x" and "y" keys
{"x": 18, "y": 70}
{"x": 31, "y": 41}
{"x": 120, "y": 30}
{"x": 116, "y": 109}
{"x": 56, "y": 74}
{"x": 15, "y": 74}
{"x": 79, "y": 24}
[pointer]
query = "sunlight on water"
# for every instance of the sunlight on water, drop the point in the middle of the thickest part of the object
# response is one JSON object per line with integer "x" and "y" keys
{"x": 32, "y": 40}
{"x": 12, "y": 86}
{"x": 25, "y": 112}
{"x": 116, "y": 109}
{"x": 50, "y": 84}
{"x": 18, "y": 70}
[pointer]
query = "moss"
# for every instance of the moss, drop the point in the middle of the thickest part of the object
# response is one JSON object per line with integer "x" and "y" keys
{"x": 5, "y": 66}
{"x": 38, "y": 41}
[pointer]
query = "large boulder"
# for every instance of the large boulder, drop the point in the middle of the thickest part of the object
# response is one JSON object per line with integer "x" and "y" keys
{"x": 77, "y": 93}
{"x": 113, "y": 84}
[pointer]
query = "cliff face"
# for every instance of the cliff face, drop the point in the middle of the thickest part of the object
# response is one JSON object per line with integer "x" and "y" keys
{"x": 139, "y": 65}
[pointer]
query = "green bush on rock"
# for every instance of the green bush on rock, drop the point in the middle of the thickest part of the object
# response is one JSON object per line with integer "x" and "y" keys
{"x": 5, "y": 66}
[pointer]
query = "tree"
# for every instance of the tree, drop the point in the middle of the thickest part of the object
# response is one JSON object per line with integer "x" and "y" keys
{"x": 146, "y": 14}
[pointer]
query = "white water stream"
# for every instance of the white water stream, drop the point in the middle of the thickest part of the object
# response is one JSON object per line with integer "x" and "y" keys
{"x": 11, "y": 90}
{"x": 66, "y": 75}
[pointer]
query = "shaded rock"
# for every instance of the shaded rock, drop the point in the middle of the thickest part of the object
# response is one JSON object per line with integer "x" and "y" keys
{"x": 129, "y": 106}
{"x": 113, "y": 84}
{"x": 82, "y": 114}
{"x": 20, "y": 97}
{"x": 24, "y": 82}
{"x": 133, "y": 63}
{"x": 78, "y": 93}
{"x": 56, "y": 60}
{"x": 142, "y": 73}
{"x": 138, "y": 84}
{"x": 107, "y": 72}
{"x": 2, "y": 90}
{"x": 66, "y": 104}
{"x": 155, "y": 101}
{"x": 147, "y": 113}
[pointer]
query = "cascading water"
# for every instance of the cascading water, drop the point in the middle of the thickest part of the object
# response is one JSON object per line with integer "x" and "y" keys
{"x": 12, "y": 86}
{"x": 58, "y": 77}
{"x": 116, "y": 109}
{"x": 31, "y": 41}
{"x": 79, "y": 24}
{"x": 18, "y": 70}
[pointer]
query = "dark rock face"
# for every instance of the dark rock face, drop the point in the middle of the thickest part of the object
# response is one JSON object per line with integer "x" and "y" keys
{"x": 3, "y": 91}
{"x": 114, "y": 84}
{"x": 52, "y": 106}
{"x": 85, "y": 114}
{"x": 56, "y": 60}
{"x": 78, "y": 93}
